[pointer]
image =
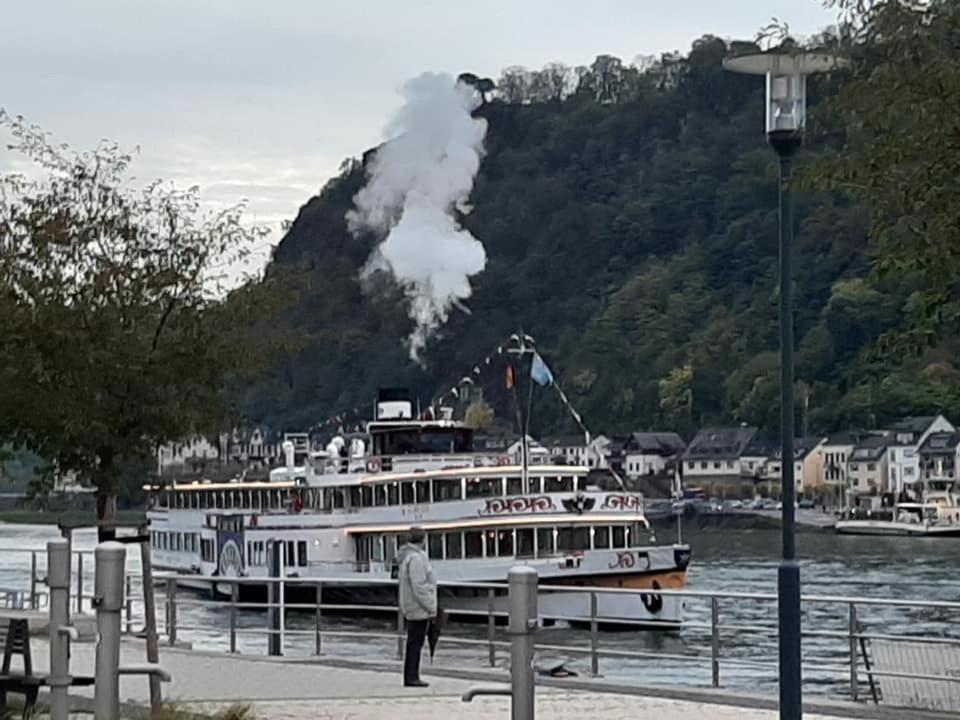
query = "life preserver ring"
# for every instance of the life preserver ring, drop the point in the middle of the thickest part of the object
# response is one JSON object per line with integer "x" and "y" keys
{"x": 373, "y": 465}
{"x": 652, "y": 602}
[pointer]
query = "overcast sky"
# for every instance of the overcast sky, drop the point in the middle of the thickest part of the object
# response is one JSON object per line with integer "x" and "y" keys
{"x": 263, "y": 100}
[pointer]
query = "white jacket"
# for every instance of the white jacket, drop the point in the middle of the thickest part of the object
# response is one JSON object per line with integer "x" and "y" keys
{"x": 418, "y": 585}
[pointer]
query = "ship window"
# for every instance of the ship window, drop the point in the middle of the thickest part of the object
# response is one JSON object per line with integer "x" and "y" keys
{"x": 505, "y": 543}
{"x": 355, "y": 497}
{"x": 570, "y": 539}
{"x": 558, "y": 484}
{"x": 366, "y": 496}
{"x": 376, "y": 549}
{"x": 473, "y": 544}
{"x": 448, "y": 489}
{"x": 601, "y": 537}
{"x": 454, "y": 546}
{"x": 545, "y": 542}
{"x": 619, "y": 537}
{"x": 406, "y": 493}
{"x": 490, "y": 538}
{"x": 338, "y": 500}
{"x": 435, "y": 546}
{"x": 580, "y": 483}
{"x": 379, "y": 495}
{"x": 289, "y": 558}
{"x": 302, "y": 553}
{"x": 536, "y": 484}
{"x": 514, "y": 486}
{"x": 393, "y": 494}
{"x": 423, "y": 491}
{"x": 483, "y": 487}
{"x": 524, "y": 542}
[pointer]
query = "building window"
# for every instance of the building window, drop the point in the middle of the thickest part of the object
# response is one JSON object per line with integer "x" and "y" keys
{"x": 872, "y": 466}
{"x": 691, "y": 465}
{"x": 716, "y": 464}
{"x": 730, "y": 464}
{"x": 703, "y": 465}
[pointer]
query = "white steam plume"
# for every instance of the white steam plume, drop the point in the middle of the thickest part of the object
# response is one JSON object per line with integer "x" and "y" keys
{"x": 416, "y": 179}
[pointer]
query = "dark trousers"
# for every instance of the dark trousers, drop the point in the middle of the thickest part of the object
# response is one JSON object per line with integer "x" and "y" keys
{"x": 416, "y": 634}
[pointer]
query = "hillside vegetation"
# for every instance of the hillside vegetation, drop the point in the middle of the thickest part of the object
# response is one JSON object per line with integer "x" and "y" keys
{"x": 629, "y": 218}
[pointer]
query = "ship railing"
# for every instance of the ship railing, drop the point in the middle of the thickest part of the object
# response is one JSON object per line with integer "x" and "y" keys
{"x": 843, "y": 635}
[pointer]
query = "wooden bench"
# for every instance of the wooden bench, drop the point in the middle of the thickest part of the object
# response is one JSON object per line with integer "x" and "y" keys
{"x": 16, "y": 641}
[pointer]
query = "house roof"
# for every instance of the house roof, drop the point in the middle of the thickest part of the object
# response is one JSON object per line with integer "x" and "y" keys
{"x": 940, "y": 442}
{"x": 720, "y": 443}
{"x": 870, "y": 447}
{"x": 656, "y": 443}
{"x": 801, "y": 448}
{"x": 846, "y": 437}
{"x": 565, "y": 441}
{"x": 914, "y": 424}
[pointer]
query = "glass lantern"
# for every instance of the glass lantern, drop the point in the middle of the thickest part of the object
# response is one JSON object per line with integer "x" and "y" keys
{"x": 786, "y": 102}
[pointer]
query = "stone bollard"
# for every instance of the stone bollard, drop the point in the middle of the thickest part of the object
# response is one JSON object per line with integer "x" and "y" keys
{"x": 58, "y": 580}
{"x": 109, "y": 560}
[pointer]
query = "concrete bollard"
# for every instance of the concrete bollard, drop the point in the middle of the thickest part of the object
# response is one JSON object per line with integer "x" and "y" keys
{"x": 522, "y": 582}
{"x": 58, "y": 580}
{"x": 109, "y": 562}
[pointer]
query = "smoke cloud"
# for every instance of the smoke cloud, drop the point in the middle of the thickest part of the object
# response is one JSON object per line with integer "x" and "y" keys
{"x": 416, "y": 180}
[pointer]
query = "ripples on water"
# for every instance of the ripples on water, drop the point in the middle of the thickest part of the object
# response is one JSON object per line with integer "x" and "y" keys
{"x": 723, "y": 561}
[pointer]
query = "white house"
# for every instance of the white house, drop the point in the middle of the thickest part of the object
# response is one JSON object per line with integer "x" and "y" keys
{"x": 191, "y": 453}
{"x": 903, "y": 456}
{"x": 574, "y": 450}
{"x": 648, "y": 453}
{"x": 719, "y": 454}
{"x": 940, "y": 456}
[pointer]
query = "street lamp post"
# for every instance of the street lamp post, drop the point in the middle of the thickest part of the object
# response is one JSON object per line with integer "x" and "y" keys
{"x": 786, "y": 114}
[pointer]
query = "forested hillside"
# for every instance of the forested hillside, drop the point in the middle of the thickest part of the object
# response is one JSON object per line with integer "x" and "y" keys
{"x": 629, "y": 218}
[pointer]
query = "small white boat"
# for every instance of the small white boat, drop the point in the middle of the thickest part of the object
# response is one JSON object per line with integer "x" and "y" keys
{"x": 912, "y": 519}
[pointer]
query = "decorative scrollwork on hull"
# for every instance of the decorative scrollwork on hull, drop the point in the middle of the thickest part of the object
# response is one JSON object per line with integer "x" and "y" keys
{"x": 518, "y": 505}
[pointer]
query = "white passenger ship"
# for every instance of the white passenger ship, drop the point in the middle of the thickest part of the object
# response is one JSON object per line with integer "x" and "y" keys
{"x": 342, "y": 516}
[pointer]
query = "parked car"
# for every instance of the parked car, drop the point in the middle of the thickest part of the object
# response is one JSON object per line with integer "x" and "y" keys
{"x": 807, "y": 504}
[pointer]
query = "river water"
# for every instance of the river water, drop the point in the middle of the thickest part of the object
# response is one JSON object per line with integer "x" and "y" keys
{"x": 741, "y": 561}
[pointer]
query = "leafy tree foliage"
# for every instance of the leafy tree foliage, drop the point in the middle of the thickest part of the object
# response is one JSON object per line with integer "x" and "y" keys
{"x": 629, "y": 217}
{"x": 114, "y": 336}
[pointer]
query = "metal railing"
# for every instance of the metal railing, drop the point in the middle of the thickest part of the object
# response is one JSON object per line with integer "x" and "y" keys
{"x": 723, "y": 635}
{"x": 707, "y": 627}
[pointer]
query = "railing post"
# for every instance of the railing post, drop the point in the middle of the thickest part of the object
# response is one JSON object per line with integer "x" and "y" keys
{"x": 274, "y": 568}
{"x": 108, "y": 599}
{"x": 491, "y": 627}
{"x": 854, "y": 679}
{"x": 594, "y": 637}
{"x": 318, "y": 622}
{"x": 128, "y": 591}
{"x": 79, "y": 583}
{"x": 234, "y": 592}
{"x": 150, "y": 619}
{"x": 523, "y": 621}
{"x": 715, "y": 640}
{"x": 58, "y": 580}
{"x": 171, "y": 611}
{"x": 33, "y": 579}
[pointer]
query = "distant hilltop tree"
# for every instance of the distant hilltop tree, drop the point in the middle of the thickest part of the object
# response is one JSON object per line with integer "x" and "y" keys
{"x": 484, "y": 86}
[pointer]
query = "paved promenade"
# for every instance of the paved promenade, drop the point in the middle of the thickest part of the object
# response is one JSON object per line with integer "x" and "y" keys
{"x": 291, "y": 690}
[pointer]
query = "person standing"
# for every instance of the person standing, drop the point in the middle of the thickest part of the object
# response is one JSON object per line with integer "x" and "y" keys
{"x": 418, "y": 602}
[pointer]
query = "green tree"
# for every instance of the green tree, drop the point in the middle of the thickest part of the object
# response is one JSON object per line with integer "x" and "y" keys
{"x": 676, "y": 397}
{"x": 901, "y": 156}
{"x": 115, "y": 336}
{"x": 479, "y": 415}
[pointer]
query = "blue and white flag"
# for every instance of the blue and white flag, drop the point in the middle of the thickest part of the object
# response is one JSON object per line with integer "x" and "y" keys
{"x": 539, "y": 371}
